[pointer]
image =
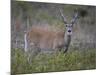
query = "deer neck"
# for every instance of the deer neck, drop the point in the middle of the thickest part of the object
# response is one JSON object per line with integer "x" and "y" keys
{"x": 67, "y": 38}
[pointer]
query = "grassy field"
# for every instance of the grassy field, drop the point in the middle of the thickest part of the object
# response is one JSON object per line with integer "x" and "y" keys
{"x": 73, "y": 60}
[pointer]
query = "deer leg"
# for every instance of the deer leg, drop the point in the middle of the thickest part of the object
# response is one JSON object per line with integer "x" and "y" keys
{"x": 65, "y": 49}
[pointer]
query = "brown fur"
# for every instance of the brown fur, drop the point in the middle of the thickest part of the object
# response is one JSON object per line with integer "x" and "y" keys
{"x": 45, "y": 38}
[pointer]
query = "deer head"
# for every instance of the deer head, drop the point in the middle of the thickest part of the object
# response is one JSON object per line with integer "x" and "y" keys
{"x": 69, "y": 26}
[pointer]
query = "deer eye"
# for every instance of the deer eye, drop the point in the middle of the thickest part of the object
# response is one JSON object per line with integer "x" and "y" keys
{"x": 67, "y": 25}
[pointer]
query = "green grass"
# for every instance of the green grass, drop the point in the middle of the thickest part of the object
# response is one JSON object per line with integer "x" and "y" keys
{"x": 73, "y": 60}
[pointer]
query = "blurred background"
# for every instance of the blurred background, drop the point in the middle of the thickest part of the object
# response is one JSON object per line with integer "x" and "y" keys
{"x": 24, "y": 15}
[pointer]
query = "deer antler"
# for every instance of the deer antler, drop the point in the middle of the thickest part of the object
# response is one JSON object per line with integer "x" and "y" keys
{"x": 64, "y": 19}
{"x": 74, "y": 17}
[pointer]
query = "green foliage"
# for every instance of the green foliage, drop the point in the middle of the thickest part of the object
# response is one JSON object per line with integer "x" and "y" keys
{"x": 73, "y": 60}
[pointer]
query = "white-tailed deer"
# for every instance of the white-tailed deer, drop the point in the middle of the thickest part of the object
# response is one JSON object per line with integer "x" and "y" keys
{"x": 44, "y": 39}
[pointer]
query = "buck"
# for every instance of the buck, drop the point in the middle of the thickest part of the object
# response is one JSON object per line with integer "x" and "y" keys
{"x": 50, "y": 40}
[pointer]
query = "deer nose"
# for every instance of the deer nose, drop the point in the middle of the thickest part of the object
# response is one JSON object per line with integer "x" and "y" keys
{"x": 69, "y": 30}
